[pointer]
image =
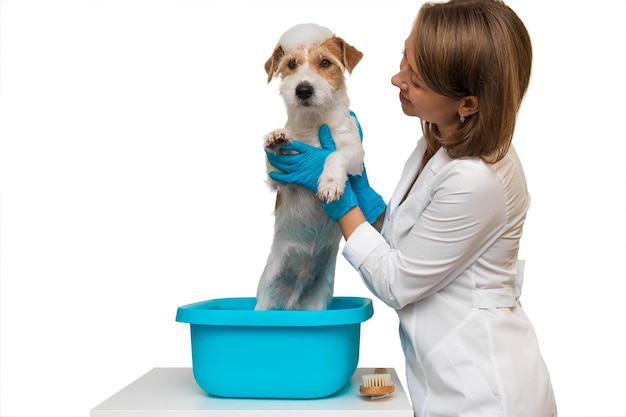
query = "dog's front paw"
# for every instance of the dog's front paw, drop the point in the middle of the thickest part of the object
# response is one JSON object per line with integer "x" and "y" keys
{"x": 274, "y": 140}
{"x": 330, "y": 189}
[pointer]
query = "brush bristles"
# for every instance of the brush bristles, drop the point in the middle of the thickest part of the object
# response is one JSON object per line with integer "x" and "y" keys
{"x": 376, "y": 380}
{"x": 377, "y": 385}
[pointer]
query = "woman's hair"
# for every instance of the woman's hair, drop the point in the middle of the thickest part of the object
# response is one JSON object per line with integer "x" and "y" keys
{"x": 474, "y": 48}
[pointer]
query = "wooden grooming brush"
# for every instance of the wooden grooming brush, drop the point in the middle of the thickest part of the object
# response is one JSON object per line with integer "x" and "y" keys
{"x": 378, "y": 384}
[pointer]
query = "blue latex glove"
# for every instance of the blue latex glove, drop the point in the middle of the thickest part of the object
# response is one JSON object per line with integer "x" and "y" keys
{"x": 305, "y": 167}
{"x": 371, "y": 203}
{"x": 338, "y": 208}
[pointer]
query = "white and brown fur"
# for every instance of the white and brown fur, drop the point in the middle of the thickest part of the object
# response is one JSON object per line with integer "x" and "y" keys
{"x": 300, "y": 270}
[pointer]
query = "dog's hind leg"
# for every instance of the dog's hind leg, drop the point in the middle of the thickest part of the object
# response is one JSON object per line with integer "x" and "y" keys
{"x": 298, "y": 280}
{"x": 265, "y": 297}
{"x": 319, "y": 293}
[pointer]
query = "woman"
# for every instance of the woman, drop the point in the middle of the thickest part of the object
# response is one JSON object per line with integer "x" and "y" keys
{"x": 444, "y": 251}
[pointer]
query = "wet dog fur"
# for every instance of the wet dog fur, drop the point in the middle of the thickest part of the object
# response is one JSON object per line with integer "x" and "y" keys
{"x": 300, "y": 269}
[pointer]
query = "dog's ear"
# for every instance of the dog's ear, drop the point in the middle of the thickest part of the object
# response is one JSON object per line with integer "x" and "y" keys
{"x": 349, "y": 54}
{"x": 271, "y": 65}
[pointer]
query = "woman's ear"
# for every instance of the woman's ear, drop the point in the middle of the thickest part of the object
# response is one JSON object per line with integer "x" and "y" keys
{"x": 468, "y": 106}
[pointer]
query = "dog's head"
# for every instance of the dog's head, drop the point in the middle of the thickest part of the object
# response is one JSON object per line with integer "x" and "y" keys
{"x": 311, "y": 62}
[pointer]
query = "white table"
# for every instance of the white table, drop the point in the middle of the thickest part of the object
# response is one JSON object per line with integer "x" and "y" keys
{"x": 172, "y": 392}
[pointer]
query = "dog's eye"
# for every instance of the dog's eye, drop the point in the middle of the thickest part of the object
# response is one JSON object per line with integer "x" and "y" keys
{"x": 324, "y": 63}
{"x": 292, "y": 64}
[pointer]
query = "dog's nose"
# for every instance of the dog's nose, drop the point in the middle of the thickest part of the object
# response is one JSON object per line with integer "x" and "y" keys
{"x": 304, "y": 91}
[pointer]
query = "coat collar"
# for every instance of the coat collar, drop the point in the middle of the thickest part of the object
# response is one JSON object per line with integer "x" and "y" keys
{"x": 439, "y": 159}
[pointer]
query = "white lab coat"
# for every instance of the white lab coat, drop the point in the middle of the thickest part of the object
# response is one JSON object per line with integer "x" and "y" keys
{"x": 447, "y": 261}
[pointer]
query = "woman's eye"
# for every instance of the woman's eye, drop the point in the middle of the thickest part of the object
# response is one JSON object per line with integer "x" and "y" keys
{"x": 324, "y": 63}
{"x": 292, "y": 64}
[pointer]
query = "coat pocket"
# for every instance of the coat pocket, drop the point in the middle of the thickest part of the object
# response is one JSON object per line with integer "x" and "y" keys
{"x": 458, "y": 382}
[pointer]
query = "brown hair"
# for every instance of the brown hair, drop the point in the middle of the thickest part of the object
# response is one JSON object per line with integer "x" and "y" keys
{"x": 474, "y": 48}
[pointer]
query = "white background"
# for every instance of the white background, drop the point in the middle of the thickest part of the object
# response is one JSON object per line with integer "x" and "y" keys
{"x": 133, "y": 182}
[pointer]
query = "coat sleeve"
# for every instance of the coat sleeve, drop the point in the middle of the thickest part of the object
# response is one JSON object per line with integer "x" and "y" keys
{"x": 464, "y": 215}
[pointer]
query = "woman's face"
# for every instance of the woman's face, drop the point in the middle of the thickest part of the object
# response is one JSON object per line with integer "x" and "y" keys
{"x": 418, "y": 100}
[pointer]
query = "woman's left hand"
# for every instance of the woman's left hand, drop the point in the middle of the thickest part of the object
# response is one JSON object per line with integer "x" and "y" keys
{"x": 304, "y": 167}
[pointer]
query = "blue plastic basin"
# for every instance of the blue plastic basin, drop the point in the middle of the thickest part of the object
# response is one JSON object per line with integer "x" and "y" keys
{"x": 242, "y": 353}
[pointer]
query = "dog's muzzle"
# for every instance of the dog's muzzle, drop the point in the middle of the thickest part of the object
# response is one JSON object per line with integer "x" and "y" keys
{"x": 304, "y": 91}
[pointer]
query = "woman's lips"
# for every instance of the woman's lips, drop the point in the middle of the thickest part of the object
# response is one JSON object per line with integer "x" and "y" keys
{"x": 403, "y": 100}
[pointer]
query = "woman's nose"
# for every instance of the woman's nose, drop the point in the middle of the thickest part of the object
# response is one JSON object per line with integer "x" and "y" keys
{"x": 394, "y": 80}
{"x": 398, "y": 81}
